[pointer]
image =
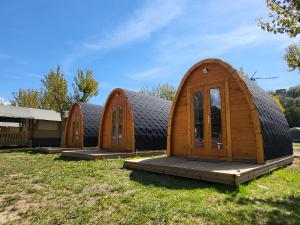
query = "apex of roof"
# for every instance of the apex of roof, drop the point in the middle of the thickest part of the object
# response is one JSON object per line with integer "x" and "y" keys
{"x": 28, "y": 113}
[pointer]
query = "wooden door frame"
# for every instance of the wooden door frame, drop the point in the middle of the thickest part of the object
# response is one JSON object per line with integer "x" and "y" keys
{"x": 117, "y": 146}
{"x": 226, "y": 130}
{"x": 76, "y": 128}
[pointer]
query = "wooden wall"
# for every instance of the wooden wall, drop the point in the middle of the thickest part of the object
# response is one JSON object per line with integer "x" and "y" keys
{"x": 242, "y": 141}
{"x": 75, "y": 113}
{"x": 46, "y": 129}
{"x": 18, "y": 136}
{"x": 117, "y": 98}
{"x": 242, "y": 126}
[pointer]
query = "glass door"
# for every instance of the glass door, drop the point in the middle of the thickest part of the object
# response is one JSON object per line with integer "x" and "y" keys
{"x": 215, "y": 116}
{"x": 117, "y": 127}
{"x": 75, "y": 131}
{"x": 208, "y": 121}
{"x": 198, "y": 122}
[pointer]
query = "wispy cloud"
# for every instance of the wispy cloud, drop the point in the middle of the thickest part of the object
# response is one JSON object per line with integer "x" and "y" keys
{"x": 152, "y": 17}
{"x": 4, "y": 56}
{"x": 34, "y": 75}
{"x": 148, "y": 74}
{"x": 200, "y": 45}
{"x": 172, "y": 52}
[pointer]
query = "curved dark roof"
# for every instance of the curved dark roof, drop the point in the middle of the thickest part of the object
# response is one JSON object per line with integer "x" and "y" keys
{"x": 274, "y": 126}
{"x": 91, "y": 120}
{"x": 150, "y": 120}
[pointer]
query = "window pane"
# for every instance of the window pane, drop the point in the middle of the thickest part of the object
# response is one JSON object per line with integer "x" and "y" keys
{"x": 198, "y": 117}
{"x": 120, "y": 128}
{"x": 215, "y": 117}
{"x": 113, "y": 126}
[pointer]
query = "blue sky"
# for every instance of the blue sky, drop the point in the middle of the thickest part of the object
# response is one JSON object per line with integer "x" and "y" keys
{"x": 135, "y": 43}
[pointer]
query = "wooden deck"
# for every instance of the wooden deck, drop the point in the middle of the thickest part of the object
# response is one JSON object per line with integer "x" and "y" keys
{"x": 297, "y": 153}
{"x": 56, "y": 150}
{"x": 233, "y": 173}
{"x": 102, "y": 154}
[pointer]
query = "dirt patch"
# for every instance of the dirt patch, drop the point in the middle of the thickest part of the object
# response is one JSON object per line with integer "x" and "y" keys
{"x": 90, "y": 201}
{"x": 12, "y": 211}
{"x": 104, "y": 213}
{"x": 296, "y": 164}
{"x": 97, "y": 189}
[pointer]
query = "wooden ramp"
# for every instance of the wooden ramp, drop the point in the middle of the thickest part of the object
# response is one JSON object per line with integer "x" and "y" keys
{"x": 233, "y": 173}
{"x": 102, "y": 154}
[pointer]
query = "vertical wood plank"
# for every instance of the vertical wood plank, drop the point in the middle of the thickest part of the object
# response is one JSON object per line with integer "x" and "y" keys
{"x": 228, "y": 122}
{"x": 189, "y": 90}
{"x": 206, "y": 113}
{"x": 260, "y": 148}
{"x": 124, "y": 126}
{"x": 259, "y": 139}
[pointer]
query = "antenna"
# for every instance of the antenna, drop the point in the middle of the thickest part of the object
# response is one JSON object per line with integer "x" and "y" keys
{"x": 266, "y": 78}
{"x": 252, "y": 77}
{"x": 262, "y": 78}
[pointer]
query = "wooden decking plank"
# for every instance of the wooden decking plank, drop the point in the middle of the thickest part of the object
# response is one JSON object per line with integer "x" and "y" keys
{"x": 102, "y": 154}
{"x": 52, "y": 150}
{"x": 233, "y": 173}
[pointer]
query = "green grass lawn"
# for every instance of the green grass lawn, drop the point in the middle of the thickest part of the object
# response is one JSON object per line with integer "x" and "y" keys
{"x": 296, "y": 145}
{"x": 45, "y": 189}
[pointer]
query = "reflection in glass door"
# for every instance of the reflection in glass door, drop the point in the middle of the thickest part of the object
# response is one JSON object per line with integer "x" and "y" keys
{"x": 117, "y": 126}
{"x": 198, "y": 119}
{"x": 215, "y": 118}
{"x": 120, "y": 126}
{"x": 113, "y": 126}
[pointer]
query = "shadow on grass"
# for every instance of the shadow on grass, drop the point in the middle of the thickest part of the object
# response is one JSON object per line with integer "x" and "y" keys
{"x": 173, "y": 182}
{"x": 17, "y": 150}
{"x": 282, "y": 211}
{"x": 68, "y": 159}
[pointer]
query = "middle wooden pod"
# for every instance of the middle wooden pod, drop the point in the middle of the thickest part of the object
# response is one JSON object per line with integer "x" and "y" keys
{"x": 134, "y": 122}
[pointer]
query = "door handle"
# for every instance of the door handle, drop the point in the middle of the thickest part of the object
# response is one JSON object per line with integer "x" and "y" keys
{"x": 219, "y": 144}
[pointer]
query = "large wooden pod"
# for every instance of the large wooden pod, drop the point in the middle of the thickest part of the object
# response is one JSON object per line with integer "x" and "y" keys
{"x": 82, "y": 125}
{"x": 219, "y": 113}
{"x": 134, "y": 122}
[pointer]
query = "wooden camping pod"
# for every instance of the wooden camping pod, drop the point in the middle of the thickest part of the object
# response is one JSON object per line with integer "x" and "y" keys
{"x": 82, "y": 125}
{"x": 134, "y": 122}
{"x": 219, "y": 113}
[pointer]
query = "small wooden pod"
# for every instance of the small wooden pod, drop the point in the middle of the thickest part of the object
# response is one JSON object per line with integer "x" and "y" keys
{"x": 219, "y": 113}
{"x": 134, "y": 122}
{"x": 83, "y": 125}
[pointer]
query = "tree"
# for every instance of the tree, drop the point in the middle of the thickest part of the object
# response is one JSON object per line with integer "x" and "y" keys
{"x": 293, "y": 92}
{"x": 85, "y": 86}
{"x": 164, "y": 91}
{"x": 292, "y": 57}
{"x": 290, "y": 100}
{"x": 293, "y": 116}
{"x": 278, "y": 103}
{"x": 56, "y": 94}
{"x": 285, "y": 18}
{"x": 32, "y": 98}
